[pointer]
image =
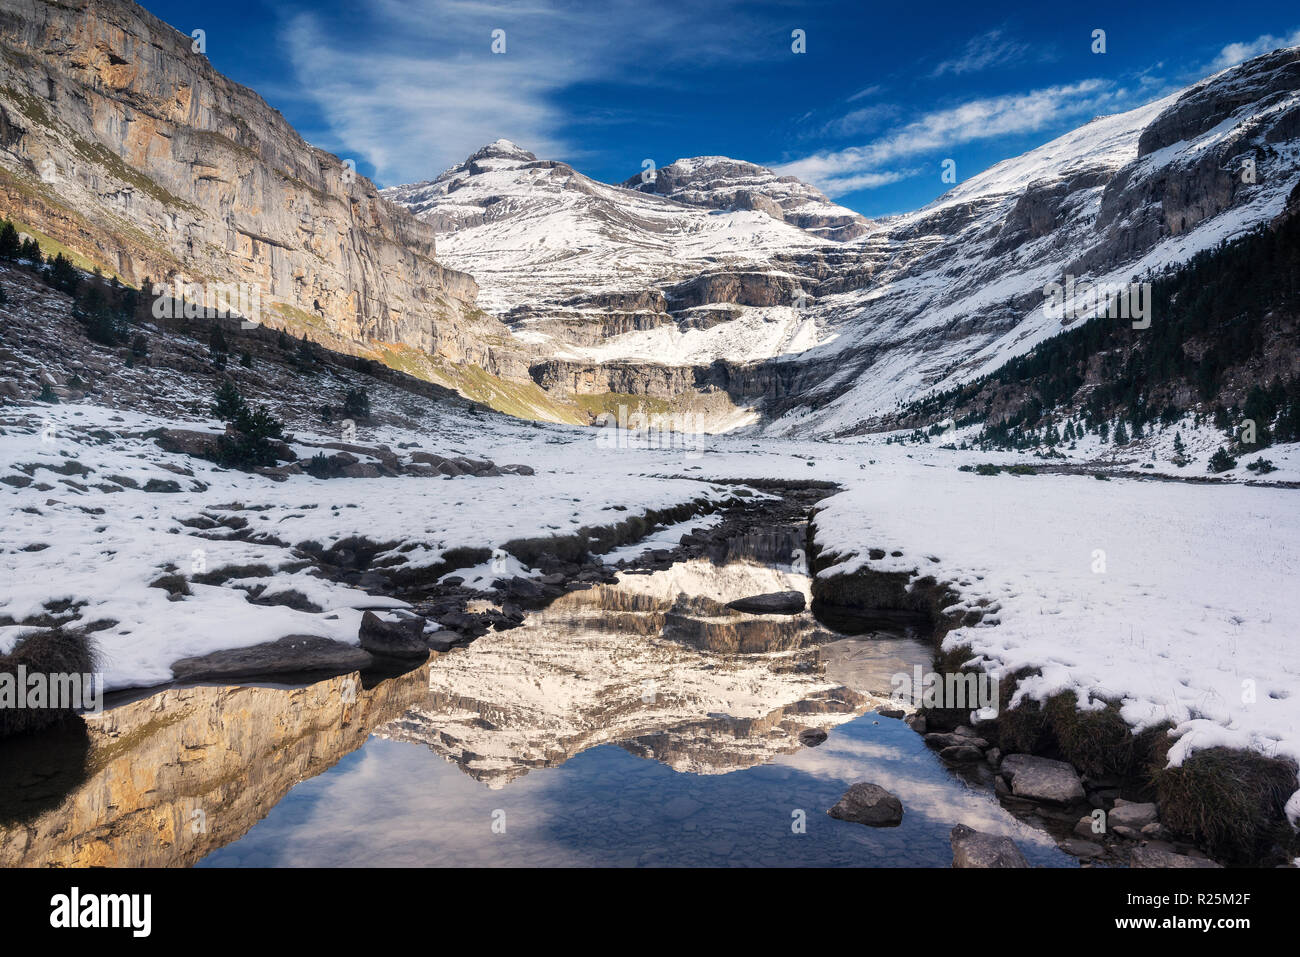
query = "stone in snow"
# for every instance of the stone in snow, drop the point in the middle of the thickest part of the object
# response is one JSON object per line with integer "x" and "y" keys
{"x": 293, "y": 653}
{"x": 773, "y": 603}
{"x": 940, "y": 739}
{"x": 972, "y": 848}
{"x": 393, "y": 639}
{"x": 1042, "y": 779}
{"x": 868, "y": 804}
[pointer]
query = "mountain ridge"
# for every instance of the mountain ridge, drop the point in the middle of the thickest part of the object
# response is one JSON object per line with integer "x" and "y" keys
{"x": 821, "y": 336}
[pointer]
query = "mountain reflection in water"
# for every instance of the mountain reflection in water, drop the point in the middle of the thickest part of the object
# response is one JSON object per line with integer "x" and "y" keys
{"x": 542, "y": 731}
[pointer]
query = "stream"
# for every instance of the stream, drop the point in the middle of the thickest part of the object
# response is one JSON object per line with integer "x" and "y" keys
{"x": 637, "y": 723}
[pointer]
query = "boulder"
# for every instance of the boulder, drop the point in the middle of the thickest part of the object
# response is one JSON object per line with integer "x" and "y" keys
{"x": 773, "y": 603}
{"x": 961, "y": 752}
{"x": 1131, "y": 814}
{"x": 1149, "y": 855}
{"x": 186, "y": 442}
{"x": 393, "y": 639}
{"x": 868, "y": 804}
{"x": 972, "y": 848}
{"x": 162, "y": 485}
{"x": 291, "y": 654}
{"x": 1084, "y": 850}
{"x": 1042, "y": 779}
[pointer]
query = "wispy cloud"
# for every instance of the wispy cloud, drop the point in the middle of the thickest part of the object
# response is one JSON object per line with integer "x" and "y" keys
{"x": 1235, "y": 53}
{"x": 414, "y": 87}
{"x": 981, "y": 52}
{"x": 864, "y": 167}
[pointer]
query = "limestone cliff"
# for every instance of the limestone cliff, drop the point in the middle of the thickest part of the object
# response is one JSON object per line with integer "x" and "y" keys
{"x": 123, "y": 144}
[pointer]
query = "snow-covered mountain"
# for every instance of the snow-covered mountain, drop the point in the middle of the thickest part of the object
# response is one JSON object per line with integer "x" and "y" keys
{"x": 720, "y": 275}
{"x": 719, "y": 182}
{"x": 594, "y": 272}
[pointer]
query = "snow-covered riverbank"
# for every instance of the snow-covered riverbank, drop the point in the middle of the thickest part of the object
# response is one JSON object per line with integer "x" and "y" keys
{"x": 1175, "y": 600}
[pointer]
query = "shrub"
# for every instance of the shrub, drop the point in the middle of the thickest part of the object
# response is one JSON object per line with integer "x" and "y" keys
{"x": 1261, "y": 466}
{"x": 218, "y": 349}
{"x": 1221, "y": 461}
{"x": 356, "y": 404}
{"x": 247, "y": 443}
{"x": 1230, "y": 801}
{"x": 228, "y": 402}
{"x": 47, "y": 394}
{"x": 48, "y": 652}
{"x": 324, "y": 466}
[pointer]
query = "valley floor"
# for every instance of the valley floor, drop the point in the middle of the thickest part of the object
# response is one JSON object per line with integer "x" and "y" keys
{"x": 1175, "y": 599}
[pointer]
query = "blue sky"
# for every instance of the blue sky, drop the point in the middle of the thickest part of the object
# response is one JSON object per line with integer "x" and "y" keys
{"x": 884, "y": 93}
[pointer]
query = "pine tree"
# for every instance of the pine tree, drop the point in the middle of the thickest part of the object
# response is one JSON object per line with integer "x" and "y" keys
{"x": 10, "y": 245}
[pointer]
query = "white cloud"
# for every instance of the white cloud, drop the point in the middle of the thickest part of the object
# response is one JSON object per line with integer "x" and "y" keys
{"x": 417, "y": 88}
{"x": 862, "y": 167}
{"x": 1235, "y": 53}
{"x": 988, "y": 49}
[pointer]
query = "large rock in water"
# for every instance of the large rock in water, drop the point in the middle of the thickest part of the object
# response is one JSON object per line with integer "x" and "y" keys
{"x": 869, "y": 804}
{"x": 291, "y": 654}
{"x": 972, "y": 848}
{"x": 1042, "y": 779}
{"x": 773, "y": 603}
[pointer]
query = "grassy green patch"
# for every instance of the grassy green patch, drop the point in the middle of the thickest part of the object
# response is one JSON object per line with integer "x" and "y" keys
{"x": 602, "y": 402}
{"x": 523, "y": 400}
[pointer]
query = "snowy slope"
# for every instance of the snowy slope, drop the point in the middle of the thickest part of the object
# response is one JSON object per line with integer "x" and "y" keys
{"x": 973, "y": 298}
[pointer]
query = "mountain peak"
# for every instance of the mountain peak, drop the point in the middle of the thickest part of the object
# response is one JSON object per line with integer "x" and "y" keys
{"x": 502, "y": 149}
{"x": 721, "y": 182}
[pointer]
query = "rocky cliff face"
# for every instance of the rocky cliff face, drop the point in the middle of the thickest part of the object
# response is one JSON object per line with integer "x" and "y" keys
{"x": 120, "y": 142}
